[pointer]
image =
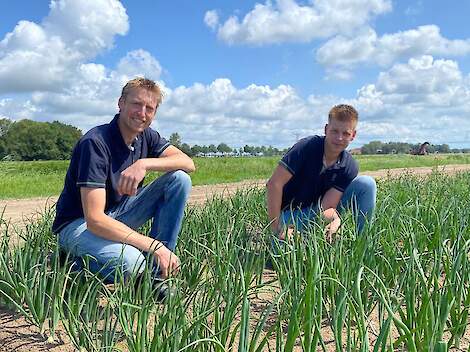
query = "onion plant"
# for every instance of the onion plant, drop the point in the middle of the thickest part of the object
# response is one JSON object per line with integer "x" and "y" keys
{"x": 401, "y": 284}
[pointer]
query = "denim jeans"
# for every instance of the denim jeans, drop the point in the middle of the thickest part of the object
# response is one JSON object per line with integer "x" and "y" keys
{"x": 163, "y": 200}
{"x": 359, "y": 196}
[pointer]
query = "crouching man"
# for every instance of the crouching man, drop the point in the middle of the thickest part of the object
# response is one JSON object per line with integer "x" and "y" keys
{"x": 103, "y": 203}
{"x": 318, "y": 177}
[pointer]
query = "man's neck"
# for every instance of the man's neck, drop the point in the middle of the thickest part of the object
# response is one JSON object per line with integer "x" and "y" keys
{"x": 126, "y": 136}
{"x": 329, "y": 157}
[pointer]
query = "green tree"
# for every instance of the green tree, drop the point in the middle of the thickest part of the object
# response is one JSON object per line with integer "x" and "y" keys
{"x": 185, "y": 148}
{"x": 175, "y": 139}
{"x": 33, "y": 140}
{"x": 4, "y": 126}
{"x": 196, "y": 149}
{"x": 212, "y": 148}
{"x": 224, "y": 148}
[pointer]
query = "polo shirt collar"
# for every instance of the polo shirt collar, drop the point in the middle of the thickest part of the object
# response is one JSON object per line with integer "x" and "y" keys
{"x": 116, "y": 134}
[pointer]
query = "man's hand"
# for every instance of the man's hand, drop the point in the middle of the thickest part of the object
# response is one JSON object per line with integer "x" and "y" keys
{"x": 130, "y": 178}
{"x": 168, "y": 261}
{"x": 285, "y": 234}
{"x": 331, "y": 229}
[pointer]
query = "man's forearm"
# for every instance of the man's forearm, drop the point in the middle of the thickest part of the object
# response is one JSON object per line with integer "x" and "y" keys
{"x": 168, "y": 163}
{"x": 274, "y": 200}
{"x": 114, "y": 230}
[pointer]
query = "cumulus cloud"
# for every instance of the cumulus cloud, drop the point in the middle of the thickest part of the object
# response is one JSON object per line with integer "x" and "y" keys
{"x": 367, "y": 47}
{"x": 288, "y": 21}
{"x": 415, "y": 100}
{"x": 44, "y": 57}
{"x": 408, "y": 102}
{"x": 221, "y": 112}
{"x": 47, "y": 74}
{"x": 211, "y": 19}
{"x": 140, "y": 63}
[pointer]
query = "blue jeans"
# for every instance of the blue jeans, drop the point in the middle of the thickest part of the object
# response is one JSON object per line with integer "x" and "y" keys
{"x": 163, "y": 200}
{"x": 359, "y": 196}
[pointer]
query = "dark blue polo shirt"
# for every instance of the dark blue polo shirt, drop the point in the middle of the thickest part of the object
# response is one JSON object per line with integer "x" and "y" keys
{"x": 97, "y": 161}
{"x": 308, "y": 184}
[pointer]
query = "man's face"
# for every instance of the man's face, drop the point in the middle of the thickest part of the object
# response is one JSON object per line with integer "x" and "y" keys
{"x": 137, "y": 110}
{"x": 339, "y": 134}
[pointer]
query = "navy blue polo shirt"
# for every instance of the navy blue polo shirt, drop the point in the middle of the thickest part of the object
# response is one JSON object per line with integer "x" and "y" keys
{"x": 308, "y": 183}
{"x": 97, "y": 161}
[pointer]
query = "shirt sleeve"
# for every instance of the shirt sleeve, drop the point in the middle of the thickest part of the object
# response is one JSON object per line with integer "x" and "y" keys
{"x": 93, "y": 165}
{"x": 157, "y": 144}
{"x": 294, "y": 159}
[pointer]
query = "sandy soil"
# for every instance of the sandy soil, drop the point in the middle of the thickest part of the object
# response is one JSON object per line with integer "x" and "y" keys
{"x": 16, "y": 334}
{"x": 16, "y": 211}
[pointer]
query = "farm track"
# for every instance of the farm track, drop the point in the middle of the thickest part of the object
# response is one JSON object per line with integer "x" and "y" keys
{"x": 16, "y": 334}
{"x": 17, "y": 211}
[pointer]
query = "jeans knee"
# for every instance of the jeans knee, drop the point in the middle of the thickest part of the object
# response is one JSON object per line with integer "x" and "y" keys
{"x": 133, "y": 261}
{"x": 366, "y": 184}
{"x": 182, "y": 180}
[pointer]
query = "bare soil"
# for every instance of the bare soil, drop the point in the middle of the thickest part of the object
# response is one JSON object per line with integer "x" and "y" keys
{"x": 17, "y": 334}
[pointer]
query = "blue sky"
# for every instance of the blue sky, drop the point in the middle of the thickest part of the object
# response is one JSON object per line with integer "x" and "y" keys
{"x": 244, "y": 72}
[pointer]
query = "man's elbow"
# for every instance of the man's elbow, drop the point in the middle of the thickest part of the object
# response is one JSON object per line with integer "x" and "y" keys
{"x": 190, "y": 167}
{"x": 94, "y": 223}
{"x": 272, "y": 185}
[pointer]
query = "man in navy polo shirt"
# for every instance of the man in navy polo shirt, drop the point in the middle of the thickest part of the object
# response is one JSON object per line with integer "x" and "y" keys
{"x": 103, "y": 202}
{"x": 317, "y": 176}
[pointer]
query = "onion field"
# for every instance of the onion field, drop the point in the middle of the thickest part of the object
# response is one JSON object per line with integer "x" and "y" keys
{"x": 403, "y": 284}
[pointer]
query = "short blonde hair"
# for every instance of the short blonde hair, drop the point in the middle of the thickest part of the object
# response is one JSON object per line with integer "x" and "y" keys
{"x": 343, "y": 112}
{"x": 141, "y": 82}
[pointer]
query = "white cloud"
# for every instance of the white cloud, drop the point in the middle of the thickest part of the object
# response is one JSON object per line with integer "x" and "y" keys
{"x": 220, "y": 112}
{"x": 45, "y": 57}
{"x": 367, "y": 47}
{"x": 48, "y": 75}
{"x": 424, "y": 99}
{"x": 211, "y": 19}
{"x": 140, "y": 63}
{"x": 88, "y": 26}
{"x": 288, "y": 21}
{"x": 409, "y": 102}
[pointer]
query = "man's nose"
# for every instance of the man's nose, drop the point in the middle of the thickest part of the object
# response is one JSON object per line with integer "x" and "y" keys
{"x": 143, "y": 110}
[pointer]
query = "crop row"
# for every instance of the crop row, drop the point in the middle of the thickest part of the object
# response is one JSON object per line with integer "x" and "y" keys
{"x": 402, "y": 284}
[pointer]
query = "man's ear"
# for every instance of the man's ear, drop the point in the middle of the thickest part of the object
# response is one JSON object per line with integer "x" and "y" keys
{"x": 326, "y": 126}
{"x": 120, "y": 103}
{"x": 353, "y": 135}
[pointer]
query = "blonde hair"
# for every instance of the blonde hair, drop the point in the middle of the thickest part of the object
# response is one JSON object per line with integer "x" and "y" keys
{"x": 141, "y": 82}
{"x": 343, "y": 112}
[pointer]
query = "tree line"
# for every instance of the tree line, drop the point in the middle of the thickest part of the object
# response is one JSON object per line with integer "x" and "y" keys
{"x": 378, "y": 147}
{"x": 33, "y": 140}
{"x": 222, "y": 148}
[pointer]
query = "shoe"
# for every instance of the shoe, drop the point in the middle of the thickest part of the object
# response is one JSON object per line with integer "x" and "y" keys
{"x": 268, "y": 264}
{"x": 162, "y": 290}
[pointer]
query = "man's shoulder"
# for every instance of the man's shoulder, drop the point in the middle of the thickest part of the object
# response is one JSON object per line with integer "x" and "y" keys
{"x": 98, "y": 140}
{"x": 313, "y": 140}
{"x": 149, "y": 132}
{"x": 99, "y": 134}
{"x": 310, "y": 144}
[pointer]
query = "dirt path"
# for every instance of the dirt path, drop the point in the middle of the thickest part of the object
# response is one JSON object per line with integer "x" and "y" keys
{"x": 16, "y": 211}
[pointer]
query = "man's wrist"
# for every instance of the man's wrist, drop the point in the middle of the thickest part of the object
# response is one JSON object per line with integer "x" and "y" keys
{"x": 142, "y": 164}
{"x": 156, "y": 246}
